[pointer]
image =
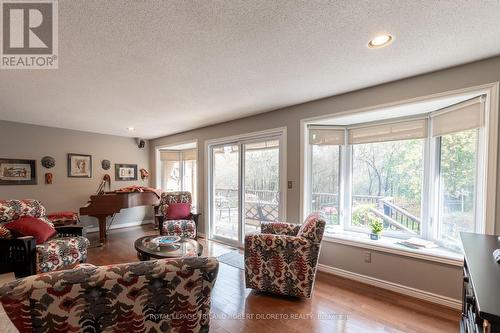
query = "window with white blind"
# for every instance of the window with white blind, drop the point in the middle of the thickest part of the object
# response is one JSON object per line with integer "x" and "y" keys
{"x": 325, "y": 171}
{"x": 458, "y": 135}
{"x": 421, "y": 176}
{"x": 178, "y": 171}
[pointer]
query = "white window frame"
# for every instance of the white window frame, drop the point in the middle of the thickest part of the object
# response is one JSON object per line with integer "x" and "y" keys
{"x": 435, "y": 203}
{"x": 340, "y": 166}
{"x": 488, "y": 148}
{"x": 157, "y": 160}
{"x": 347, "y": 222}
{"x": 181, "y": 162}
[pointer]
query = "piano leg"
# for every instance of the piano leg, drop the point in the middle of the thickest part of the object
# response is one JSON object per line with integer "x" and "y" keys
{"x": 102, "y": 228}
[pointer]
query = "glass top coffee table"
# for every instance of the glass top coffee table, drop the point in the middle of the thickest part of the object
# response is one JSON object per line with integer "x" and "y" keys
{"x": 184, "y": 248}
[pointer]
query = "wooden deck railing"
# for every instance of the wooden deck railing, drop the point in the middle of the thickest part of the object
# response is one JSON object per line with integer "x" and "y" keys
{"x": 265, "y": 202}
{"x": 401, "y": 216}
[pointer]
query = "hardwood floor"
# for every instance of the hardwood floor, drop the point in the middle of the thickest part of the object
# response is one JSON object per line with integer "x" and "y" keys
{"x": 337, "y": 305}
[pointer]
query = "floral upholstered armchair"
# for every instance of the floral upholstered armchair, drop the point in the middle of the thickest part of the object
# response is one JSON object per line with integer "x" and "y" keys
{"x": 23, "y": 256}
{"x": 282, "y": 259}
{"x": 167, "y": 295}
{"x": 184, "y": 225}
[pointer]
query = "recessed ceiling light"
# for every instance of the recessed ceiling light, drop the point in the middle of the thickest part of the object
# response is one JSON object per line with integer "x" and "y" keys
{"x": 130, "y": 129}
{"x": 380, "y": 41}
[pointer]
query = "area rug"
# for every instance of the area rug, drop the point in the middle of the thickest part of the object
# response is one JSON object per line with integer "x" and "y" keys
{"x": 233, "y": 258}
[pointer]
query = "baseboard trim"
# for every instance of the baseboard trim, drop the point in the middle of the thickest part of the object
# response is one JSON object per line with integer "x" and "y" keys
{"x": 121, "y": 225}
{"x": 398, "y": 288}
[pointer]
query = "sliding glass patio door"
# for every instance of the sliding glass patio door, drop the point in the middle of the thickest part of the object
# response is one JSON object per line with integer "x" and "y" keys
{"x": 261, "y": 181}
{"x": 225, "y": 192}
{"x": 245, "y": 187}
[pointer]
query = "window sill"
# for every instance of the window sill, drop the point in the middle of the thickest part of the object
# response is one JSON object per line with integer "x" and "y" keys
{"x": 389, "y": 245}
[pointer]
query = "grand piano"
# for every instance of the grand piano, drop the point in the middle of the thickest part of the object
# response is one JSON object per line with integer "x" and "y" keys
{"x": 107, "y": 204}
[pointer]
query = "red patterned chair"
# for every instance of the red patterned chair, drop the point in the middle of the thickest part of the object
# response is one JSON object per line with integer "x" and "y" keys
{"x": 185, "y": 228}
{"x": 23, "y": 256}
{"x": 168, "y": 295}
{"x": 282, "y": 259}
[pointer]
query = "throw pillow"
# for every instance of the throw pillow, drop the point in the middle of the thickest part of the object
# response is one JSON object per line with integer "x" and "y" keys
{"x": 31, "y": 226}
{"x": 63, "y": 218}
{"x": 178, "y": 211}
{"x": 313, "y": 228}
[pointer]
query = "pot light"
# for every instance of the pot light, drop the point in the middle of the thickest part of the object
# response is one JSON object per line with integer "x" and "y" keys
{"x": 130, "y": 129}
{"x": 380, "y": 41}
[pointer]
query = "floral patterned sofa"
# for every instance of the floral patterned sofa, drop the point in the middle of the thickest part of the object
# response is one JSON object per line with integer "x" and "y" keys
{"x": 168, "y": 295}
{"x": 282, "y": 259}
{"x": 23, "y": 257}
{"x": 184, "y": 228}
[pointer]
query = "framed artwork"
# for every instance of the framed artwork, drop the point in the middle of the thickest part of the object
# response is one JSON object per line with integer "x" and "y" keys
{"x": 125, "y": 171}
{"x": 79, "y": 166}
{"x": 17, "y": 172}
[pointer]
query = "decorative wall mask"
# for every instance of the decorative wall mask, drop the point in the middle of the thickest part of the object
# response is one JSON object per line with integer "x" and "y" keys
{"x": 48, "y": 162}
{"x": 106, "y": 164}
{"x": 48, "y": 178}
{"x": 144, "y": 174}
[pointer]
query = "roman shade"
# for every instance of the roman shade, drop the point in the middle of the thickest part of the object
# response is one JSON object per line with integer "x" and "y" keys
{"x": 189, "y": 154}
{"x": 400, "y": 130}
{"x": 459, "y": 117}
{"x": 169, "y": 155}
{"x": 326, "y": 136}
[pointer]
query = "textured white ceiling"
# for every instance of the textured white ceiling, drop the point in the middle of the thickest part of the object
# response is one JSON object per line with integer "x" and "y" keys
{"x": 169, "y": 66}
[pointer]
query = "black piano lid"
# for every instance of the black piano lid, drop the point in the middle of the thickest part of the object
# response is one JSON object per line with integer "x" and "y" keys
{"x": 484, "y": 273}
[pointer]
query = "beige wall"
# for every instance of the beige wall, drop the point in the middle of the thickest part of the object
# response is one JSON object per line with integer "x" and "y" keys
{"x": 448, "y": 278}
{"x": 33, "y": 142}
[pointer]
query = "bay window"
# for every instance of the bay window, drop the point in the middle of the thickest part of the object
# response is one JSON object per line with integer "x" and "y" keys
{"x": 421, "y": 176}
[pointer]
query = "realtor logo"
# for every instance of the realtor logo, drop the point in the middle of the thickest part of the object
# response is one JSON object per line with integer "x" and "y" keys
{"x": 29, "y": 35}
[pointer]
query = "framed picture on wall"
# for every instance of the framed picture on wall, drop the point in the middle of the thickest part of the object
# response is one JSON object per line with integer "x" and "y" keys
{"x": 79, "y": 165}
{"x": 17, "y": 172}
{"x": 125, "y": 171}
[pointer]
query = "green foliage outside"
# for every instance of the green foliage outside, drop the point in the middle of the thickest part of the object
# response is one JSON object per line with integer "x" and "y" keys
{"x": 458, "y": 174}
{"x": 363, "y": 216}
{"x": 390, "y": 169}
{"x": 261, "y": 169}
{"x": 458, "y": 166}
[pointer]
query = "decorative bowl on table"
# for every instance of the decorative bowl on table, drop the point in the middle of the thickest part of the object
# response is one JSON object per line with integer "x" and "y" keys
{"x": 166, "y": 240}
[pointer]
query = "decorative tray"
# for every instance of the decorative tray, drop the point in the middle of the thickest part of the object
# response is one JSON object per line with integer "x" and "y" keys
{"x": 165, "y": 240}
